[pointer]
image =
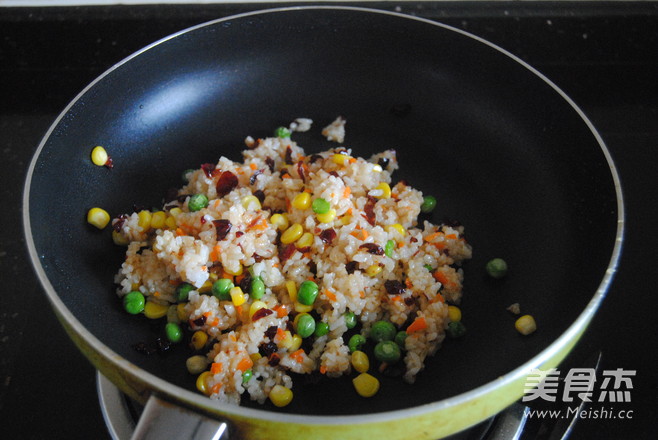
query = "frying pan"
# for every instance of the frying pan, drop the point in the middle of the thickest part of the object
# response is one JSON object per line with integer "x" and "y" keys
{"x": 504, "y": 150}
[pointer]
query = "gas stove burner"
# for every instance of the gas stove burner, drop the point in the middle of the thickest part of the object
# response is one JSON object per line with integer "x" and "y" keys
{"x": 121, "y": 415}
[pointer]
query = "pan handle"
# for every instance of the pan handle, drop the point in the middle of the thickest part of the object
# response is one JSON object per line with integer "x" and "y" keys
{"x": 162, "y": 419}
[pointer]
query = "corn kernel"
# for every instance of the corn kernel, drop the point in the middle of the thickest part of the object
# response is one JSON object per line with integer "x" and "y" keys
{"x": 144, "y": 220}
{"x": 385, "y": 191}
{"x": 236, "y": 273}
{"x": 199, "y": 340}
{"x": 254, "y": 357}
{"x": 256, "y": 306}
{"x": 454, "y": 314}
{"x": 98, "y": 217}
{"x": 280, "y": 396}
{"x": 170, "y": 222}
{"x": 373, "y": 270}
{"x": 280, "y": 221}
{"x": 154, "y": 310}
{"x": 345, "y": 220}
{"x": 302, "y": 308}
{"x": 302, "y": 201}
{"x": 286, "y": 341}
{"x": 99, "y": 156}
{"x": 327, "y": 217}
{"x": 525, "y": 324}
{"x": 304, "y": 241}
{"x": 175, "y": 212}
{"x": 119, "y": 239}
{"x": 202, "y": 382}
{"x": 360, "y": 361}
{"x": 296, "y": 343}
{"x": 366, "y": 385}
{"x": 396, "y": 227}
{"x": 340, "y": 159}
{"x": 237, "y": 296}
{"x": 377, "y": 168}
{"x": 158, "y": 219}
{"x": 182, "y": 313}
{"x": 292, "y": 234}
{"x": 206, "y": 287}
{"x": 251, "y": 203}
{"x": 292, "y": 290}
{"x": 196, "y": 364}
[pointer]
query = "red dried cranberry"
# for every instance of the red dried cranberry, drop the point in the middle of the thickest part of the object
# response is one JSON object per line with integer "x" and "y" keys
{"x": 261, "y": 313}
{"x": 288, "y": 155}
{"x": 223, "y": 227}
{"x": 270, "y": 163}
{"x": 286, "y": 252}
{"x": 372, "y": 248}
{"x": 226, "y": 183}
{"x": 369, "y": 210}
{"x": 301, "y": 171}
{"x": 394, "y": 287}
{"x": 208, "y": 168}
{"x": 328, "y": 235}
{"x": 253, "y": 177}
{"x": 351, "y": 267}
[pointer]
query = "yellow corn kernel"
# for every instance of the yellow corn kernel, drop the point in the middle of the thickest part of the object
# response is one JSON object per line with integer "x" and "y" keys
{"x": 99, "y": 156}
{"x": 280, "y": 396}
{"x": 525, "y": 324}
{"x": 98, "y": 217}
{"x": 202, "y": 382}
{"x": 255, "y": 356}
{"x": 199, "y": 340}
{"x": 175, "y": 212}
{"x": 256, "y": 306}
{"x": 396, "y": 227}
{"x": 280, "y": 221}
{"x": 377, "y": 168}
{"x": 207, "y": 287}
{"x": 296, "y": 343}
{"x": 182, "y": 313}
{"x": 304, "y": 241}
{"x": 345, "y": 220}
{"x": 158, "y": 219}
{"x": 360, "y": 361}
{"x": 212, "y": 276}
{"x": 237, "y": 296}
{"x": 302, "y": 201}
{"x": 327, "y": 217}
{"x": 286, "y": 341}
{"x": 454, "y": 314}
{"x": 340, "y": 159}
{"x": 170, "y": 222}
{"x": 292, "y": 234}
{"x": 250, "y": 203}
{"x": 144, "y": 220}
{"x": 385, "y": 191}
{"x": 196, "y": 364}
{"x": 154, "y": 310}
{"x": 234, "y": 273}
{"x": 302, "y": 308}
{"x": 366, "y": 385}
{"x": 292, "y": 290}
{"x": 373, "y": 270}
{"x": 119, "y": 239}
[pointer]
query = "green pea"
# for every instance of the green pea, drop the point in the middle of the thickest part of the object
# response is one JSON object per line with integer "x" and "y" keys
{"x": 221, "y": 289}
{"x": 183, "y": 291}
{"x": 173, "y": 332}
{"x": 186, "y": 175}
{"x": 305, "y": 325}
{"x": 456, "y": 329}
{"x": 282, "y": 132}
{"x": 246, "y": 376}
{"x": 257, "y": 288}
{"x": 320, "y": 206}
{"x": 382, "y": 331}
{"x": 321, "y": 329}
{"x": 197, "y": 202}
{"x": 133, "y": 302}
{"x": 307, "y": 293}
{"x": 388, "y": 249}
{"x": 400, "y": 338}
{"x": 428, "y": 267}
{"x": 428, "y": 205}
{"x": 356, "y": 342}
{"x": 387, "y": 351}
{"x": 350, "y": 319}
{"x": 496, "y": 268}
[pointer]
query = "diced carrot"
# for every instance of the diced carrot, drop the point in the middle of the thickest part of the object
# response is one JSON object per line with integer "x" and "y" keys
{"x": 438, "y": 298}
{"x": 432, "y": 236}
{"x": 216, "y": 388}
{"x": 156, "y": 294}
{"x": 281, "y": 310}
{"x": 215, "y": 322}
{"x": 280, "y": 335}
{"x": 352, "y": 160}
{"x": 443, "y": 279}
{"x": 240, "y": 171}
{"x": 441, "y": 245}
{"x": 396, "y": 298}
{"x": 418, "y": 324}
{"x": 288, "y": 205}
{"x": 362, "y": 294}
{"x": 216, "y": 368}
{"x": 408, "y": 283}
{"x": 286, "y": 176}
{"x": 175, "y": 282}
{"x": 227, "y": 275}
{"x": 179, "y": 232}
{"x": 298, "y": 356}
{"x": 323, "y": 369}
{"x": 207, "y": 314}
{"x": 361, "y": 234}
{"x": 400, "y": 244}
{"x": 451, "y": 236}
{"x": 204, "y": 268}
{"x": 245, "y": 364}
{"x": 253, "y": 166}
{"x": 239, "y": 278}
{"x": 330, "y": 295}
{"x": 238, "y": 310}
{"x": 232, "y": 337}
{"x": 347, "y": 191}
{"x": 349, "y": 211}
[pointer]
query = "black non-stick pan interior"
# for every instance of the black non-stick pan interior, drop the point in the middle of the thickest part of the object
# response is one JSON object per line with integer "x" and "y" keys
{"x": 502, "y": 150}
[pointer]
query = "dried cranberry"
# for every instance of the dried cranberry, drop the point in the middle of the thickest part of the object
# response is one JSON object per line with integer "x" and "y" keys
{"x": 271, "y": 331}
{"x": 409, "y": 300}
{"x": 288, "y": 158}
{"x": 260, "y": 195}
{"x": 286, "y": 252}
{"x": 245, "y": 283}
{"x": 301, "y": 171}
{"x": 351, "y": 267}
{"x": 270, "y": 163}
{"x": 109, "y": 163}
{"x": 226, "y": 183}
{"x": 199, "y": 322}
{"x": 239, "y": 234}
{"x": 253, "y": 177}
{"x": 328, "y": 235}
{"x": 261, "y": 313}
{"x": 119, "y": 223}
{"x": 394, "y": 287}
{"x": 369, "y": 210}
{"x": 267, "y": 348}
{"x": 208, "y": 169}
{"x": 257, "y": 258}
{"x": 383, "y": 162}
{"x": 372, "y": 248}
{"x": 333, "y": 173}
{"x": 223, "y": 227}
{"x": 314, "y": 158}
{"x": 274, "y": 359}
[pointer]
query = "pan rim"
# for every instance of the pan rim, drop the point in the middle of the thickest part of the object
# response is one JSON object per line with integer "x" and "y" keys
{"x": 177, "y": 393}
